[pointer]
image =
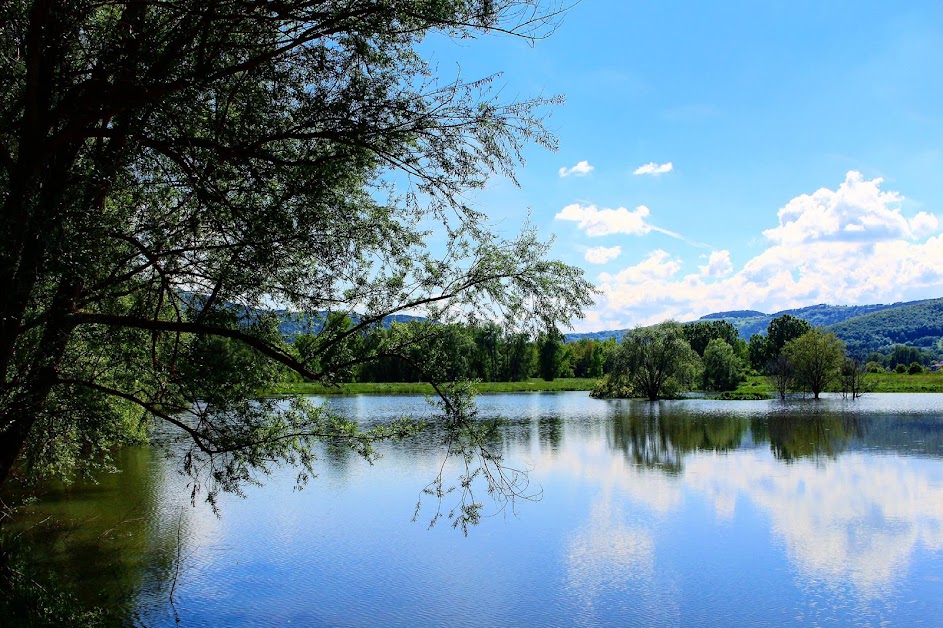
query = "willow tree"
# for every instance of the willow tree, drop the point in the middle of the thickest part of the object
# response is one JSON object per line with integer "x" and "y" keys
{"x": 652, "y": 362}
{"x": 171, "y": 170}
{"x": 817, "y": 357}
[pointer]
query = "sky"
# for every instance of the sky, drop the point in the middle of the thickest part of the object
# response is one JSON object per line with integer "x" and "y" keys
{"x": 729, "y": 155}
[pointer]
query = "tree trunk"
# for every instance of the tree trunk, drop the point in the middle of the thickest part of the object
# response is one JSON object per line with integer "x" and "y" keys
{"x": 20, "y": 414}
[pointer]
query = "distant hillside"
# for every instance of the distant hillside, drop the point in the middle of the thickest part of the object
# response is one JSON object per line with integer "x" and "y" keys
{"x": 919, "y": 324}
{"x": 292, "y": 324}
{"x": 863, "y": 328}
{"x": 821, "y": 315}
{"x": 732, "y": 314}
{"x": 596, "y": 335}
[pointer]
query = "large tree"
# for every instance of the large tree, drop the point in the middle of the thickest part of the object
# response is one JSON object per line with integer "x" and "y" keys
{"x": 700, "y": 333}
{"x": 816, "y": 357}
{"x": 651, "y": 362}
{"x": 169, "y": 171}
{"x": 782, "y": 329}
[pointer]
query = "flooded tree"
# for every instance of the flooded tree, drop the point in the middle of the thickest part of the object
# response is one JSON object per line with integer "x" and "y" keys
{"x": 652, "y": 362}
{"x": 816, "y": 357}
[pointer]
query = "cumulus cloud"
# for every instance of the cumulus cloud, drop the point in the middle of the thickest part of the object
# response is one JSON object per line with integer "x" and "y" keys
{"x": 858, "y": 210}
{"x": 602, "y": 254}
{"x": 718, "y": 265}
{"x": 850, "y": 245}
{"x": 658, "y": 265}
{"x": 654, "y": 169}
{"x": 601, "y": 222}
{"x": 581, "y": 169}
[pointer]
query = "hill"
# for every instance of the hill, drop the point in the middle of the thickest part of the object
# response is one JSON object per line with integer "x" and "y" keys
{"x": 732, "y": 314}
{"x": 863, "y": 328}
{"x": 919, "y": 324}
{"x": 292, "y": 324}
{"x": 820, "y": 315}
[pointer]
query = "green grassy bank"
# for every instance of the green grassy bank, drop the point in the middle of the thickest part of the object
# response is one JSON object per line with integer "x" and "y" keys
{"x": 402, "y": 388}
{"x": 874, "y": 382}
{"x": 755, "y": 386}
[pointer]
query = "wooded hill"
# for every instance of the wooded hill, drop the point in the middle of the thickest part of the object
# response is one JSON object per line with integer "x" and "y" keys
{"x": 863, "y": 328}
{"x": 820, "y": 315}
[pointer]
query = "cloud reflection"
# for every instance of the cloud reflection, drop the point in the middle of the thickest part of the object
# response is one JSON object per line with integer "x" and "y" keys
{"x": 845, "y": 519}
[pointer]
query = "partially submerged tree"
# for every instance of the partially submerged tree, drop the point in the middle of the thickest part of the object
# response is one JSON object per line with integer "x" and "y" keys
{"x": 651, "y": 362}
{"x": 170, "y": 169}
{"x": 854, "y": 376}
{"x": 781, "y": 375}
{"x": 816, "y": 357}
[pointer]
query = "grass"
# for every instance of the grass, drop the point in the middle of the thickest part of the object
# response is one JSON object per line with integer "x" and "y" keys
{"x": 874, "y": 382}
{"x": 901, "y": 382}
{"x": 405, "y": 388}
{"x": 755, "y": 386}
{"x": 738, "y": 395}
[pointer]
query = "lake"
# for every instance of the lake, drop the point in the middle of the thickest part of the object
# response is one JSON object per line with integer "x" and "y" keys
{"x": 690, "y": 512}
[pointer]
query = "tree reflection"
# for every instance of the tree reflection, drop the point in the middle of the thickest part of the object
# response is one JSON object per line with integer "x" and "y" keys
{"x": 794, "y": 436}
{"x": 550, "y": 431}
{"x": 104, "y": 539}
{"x": 658, "y": 436}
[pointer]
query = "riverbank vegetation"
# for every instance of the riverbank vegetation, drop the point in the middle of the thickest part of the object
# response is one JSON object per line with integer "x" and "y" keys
{"x": 668, "y": 359}
{"x": 663, "y": 361}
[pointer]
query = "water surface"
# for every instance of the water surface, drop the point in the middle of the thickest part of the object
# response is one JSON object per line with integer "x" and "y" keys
{"x": 691, "y": 512}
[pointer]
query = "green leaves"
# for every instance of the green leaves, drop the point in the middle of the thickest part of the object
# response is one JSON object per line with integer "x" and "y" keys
{"x": 171, "y": 171}
{"x": 652, "y": 362}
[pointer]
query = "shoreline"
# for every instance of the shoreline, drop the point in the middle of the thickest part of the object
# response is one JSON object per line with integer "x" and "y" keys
{"x": 755, "y": 386}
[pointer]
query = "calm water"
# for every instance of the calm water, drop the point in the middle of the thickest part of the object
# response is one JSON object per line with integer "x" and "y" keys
{"x": 689, "y": 512}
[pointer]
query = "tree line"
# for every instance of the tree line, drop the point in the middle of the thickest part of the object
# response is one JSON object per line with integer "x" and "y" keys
{"x": 664, "y": 360}
{"x": 652, "y": 362}
{"x": 486, "y": 352}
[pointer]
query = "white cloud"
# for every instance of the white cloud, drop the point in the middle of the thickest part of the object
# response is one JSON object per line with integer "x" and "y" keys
{"x": 599, "y": 222}
{"x": 718, "y": 265}
{"x": 658, "y": 265}
{"x": 857, "y": 210}
{"x": 846, "y": 246}
{"x": 654, "y": 169}
{"x": 602, "y": 254}
{"x": 581, "y": 169}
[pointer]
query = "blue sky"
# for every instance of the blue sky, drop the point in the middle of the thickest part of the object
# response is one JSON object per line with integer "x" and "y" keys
{"x": 805, "y": 143}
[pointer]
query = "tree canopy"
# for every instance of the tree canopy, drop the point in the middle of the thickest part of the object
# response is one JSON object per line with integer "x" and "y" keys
{"x": 817, "y": 358}
{"x": 169, "y": 171}
{"x": 700, "y": 333}
{"x": 652, "y": 362}
{"x": 721, "y": 366}
{"x": 765, "y": 350}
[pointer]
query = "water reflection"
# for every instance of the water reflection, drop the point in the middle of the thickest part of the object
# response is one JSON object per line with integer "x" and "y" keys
{"x": 792, "y": 437}
{"x": 657, "y": 436}
{"x": 106, "y": 539}
{"x": 675, "y": 512}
